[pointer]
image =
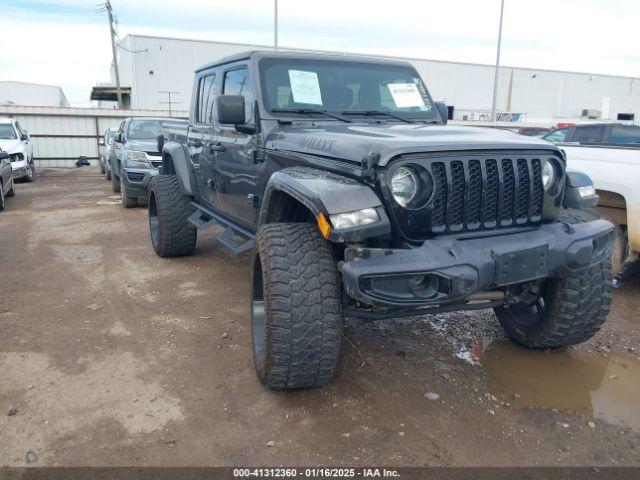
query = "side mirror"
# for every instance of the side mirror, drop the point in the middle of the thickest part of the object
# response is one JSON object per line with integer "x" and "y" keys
{"x": 443, "y": 110}
{"x": 160, "y": 142}
{"x": 24, "y": 137}
{"x": 101, "y": 142}
{"x": 230, "y": 109}
{"x": 4, "y": 155}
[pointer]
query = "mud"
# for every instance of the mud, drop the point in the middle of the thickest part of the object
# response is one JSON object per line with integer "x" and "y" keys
{"x": 110, "y": 355}
{"x": 600, "y": 387}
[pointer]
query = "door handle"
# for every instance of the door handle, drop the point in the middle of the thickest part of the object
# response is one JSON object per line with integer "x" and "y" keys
{"x": 195, "y": 143}
{"x": 217, "y": 147}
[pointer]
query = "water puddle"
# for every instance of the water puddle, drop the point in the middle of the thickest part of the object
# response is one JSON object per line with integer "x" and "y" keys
{"x": 602, "y": 388}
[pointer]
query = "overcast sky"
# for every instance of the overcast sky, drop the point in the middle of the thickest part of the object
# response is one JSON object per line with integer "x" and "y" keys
{"x": 66, "y": 42}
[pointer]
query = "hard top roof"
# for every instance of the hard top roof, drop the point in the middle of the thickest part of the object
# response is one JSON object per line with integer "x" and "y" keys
{"x": 301, "y": 55}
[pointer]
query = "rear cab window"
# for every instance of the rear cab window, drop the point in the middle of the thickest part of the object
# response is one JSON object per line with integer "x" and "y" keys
{"x": 625, "y": 134}
{"x": 206, "y": 96}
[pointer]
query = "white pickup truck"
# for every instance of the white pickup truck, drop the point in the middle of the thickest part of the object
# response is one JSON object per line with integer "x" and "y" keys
{"x": 610, "y": 154}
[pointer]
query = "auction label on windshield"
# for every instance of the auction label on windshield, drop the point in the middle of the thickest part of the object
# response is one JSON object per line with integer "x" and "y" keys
{"x": 305, "y": 87}
{"x": 406, "y": 95}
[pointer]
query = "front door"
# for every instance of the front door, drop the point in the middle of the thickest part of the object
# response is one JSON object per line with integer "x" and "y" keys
{"x": 236, "y": 168}
{"x": 201, "y": 137}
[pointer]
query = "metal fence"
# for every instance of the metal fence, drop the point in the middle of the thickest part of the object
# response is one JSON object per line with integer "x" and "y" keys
{"x": 60, "y": 135}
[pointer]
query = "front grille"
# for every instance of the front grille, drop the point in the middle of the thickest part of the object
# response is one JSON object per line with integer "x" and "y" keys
{"x": 479, "y": 193}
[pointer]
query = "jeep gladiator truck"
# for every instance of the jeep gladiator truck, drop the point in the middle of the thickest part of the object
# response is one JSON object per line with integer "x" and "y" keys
{"x": 359, "y": 204}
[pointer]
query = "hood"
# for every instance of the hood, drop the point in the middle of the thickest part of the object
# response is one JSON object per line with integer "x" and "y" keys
{"x": 142, "y": 145}
{"x": 12, "y": 145}
{"x": 358, "y": 141}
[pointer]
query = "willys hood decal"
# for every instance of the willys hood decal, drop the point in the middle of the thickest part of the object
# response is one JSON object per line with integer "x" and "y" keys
{"x": 357, "y": 142}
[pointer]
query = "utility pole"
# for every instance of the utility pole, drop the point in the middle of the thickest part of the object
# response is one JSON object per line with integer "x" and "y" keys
{"x": 495, "y": 79}
{"x": 169, "y": 93}
{"x": 107, "y": 7}
{"x": 275, "y": 24}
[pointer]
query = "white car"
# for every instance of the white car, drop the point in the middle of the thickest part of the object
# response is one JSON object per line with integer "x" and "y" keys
{"x": 610, "y": 154}
{"x": 16, "y": 142}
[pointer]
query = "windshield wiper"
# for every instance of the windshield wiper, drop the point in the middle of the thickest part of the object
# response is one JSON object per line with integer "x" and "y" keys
{"x": 309, "y": 111}
{"x": 368, "y": 113}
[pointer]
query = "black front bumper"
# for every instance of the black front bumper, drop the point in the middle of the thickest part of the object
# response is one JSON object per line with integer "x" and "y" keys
{"x": 447, "y": 269}
{"x": 136, "y": 180}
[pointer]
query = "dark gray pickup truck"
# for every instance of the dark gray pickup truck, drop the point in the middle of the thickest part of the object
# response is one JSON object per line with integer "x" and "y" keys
{"x": 359, "y": 204}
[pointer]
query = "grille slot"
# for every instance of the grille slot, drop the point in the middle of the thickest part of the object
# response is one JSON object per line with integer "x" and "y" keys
{"x": 476, "y": 193}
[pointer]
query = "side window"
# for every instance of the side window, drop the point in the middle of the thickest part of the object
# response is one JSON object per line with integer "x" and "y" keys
{"x": 588, "y": 134}
{"x": 624, "y": 134}
{"x": 206, "y": 95}
{"x": 238, "y": 82}
{"x": 557, "y": 136}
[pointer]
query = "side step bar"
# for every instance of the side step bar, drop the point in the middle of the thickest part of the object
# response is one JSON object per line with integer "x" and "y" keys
{"x": 203, "y": 219}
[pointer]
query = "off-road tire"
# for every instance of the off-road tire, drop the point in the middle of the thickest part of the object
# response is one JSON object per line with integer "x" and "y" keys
{"x": 12, "y": 192}
{"x": 115, "y": 181}
{"x": 1, "y": 196}
{"x": 127, "y": 201}
{"x": 171, "y": 234}
{"x": 575, "y": 307}
{"x": 102, "y": 169}
{"x": 108, "y": 175}
{"x": 296, "y": 307}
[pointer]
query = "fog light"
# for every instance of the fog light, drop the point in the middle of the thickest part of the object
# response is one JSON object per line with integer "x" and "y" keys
{"x": 354, "y": 219}
{"x": 426, "y": 286}
{"x": 585, "y": 192}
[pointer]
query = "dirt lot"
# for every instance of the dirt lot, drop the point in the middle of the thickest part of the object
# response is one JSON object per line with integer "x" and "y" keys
{"x": 110, "y": 355}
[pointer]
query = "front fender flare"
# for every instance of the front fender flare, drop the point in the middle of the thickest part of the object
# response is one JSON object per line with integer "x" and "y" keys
{"x": 329, "y": 194}
{"x": 175, "y": 161}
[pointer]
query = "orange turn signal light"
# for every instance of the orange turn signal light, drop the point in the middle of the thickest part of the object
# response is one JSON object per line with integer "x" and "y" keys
{"x": 324, "y": 226}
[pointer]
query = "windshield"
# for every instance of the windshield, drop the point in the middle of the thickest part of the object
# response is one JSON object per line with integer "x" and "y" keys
{"x": 345, "y": 87}
{"x": 7, "y": 131}
{"x": 144, "y": 129}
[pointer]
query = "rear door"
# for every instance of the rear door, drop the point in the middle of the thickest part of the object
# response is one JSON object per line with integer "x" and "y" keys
{"x": 202, "y": 134}
{"x": 589, "y": 134}
{"x": 236, "y": 169}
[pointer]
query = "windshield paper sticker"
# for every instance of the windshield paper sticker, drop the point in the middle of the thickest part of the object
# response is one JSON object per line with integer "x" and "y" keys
{"x": 305, "y": 87}
{"x": 405, "y": 95}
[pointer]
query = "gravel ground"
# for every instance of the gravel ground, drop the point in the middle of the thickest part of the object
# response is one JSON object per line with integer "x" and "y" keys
{"x": 110, "y": 355}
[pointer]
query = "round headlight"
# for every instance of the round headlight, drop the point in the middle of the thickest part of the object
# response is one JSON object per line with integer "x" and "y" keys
{"x": 404, "y": 186}
{"x": 548, "y": 174}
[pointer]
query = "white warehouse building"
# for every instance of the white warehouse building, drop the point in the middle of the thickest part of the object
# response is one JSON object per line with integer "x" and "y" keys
{"x": 152, "y": 66}
{"x": 33, "y": 94}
